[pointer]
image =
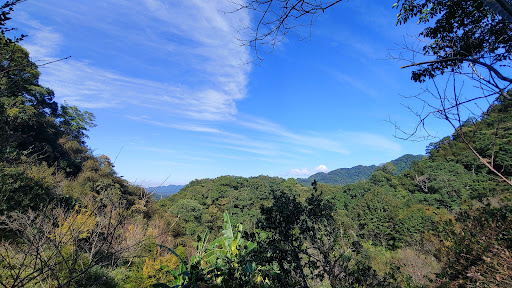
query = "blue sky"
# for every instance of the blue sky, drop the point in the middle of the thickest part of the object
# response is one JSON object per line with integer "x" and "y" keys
{"x": 175, "y": 97}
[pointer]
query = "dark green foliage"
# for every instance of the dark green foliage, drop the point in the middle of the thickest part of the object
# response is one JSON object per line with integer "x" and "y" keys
{"x": 202, "y": 203}
{"x": 284, "y": 245}
{"x": 340, "y": 176}
{"x": 74, "y": 123}
{"x": 351, "y": 235}
{"x": 377, "y": 215}
{"x": 20, "y": 81}
{"x": 32, "y": 124}
{"x": 5, "y": 11}
{"x": 96, "y": 278}
{"x": 491, "y": 137}
{"x": 463, "y": 30}
{"x": 66, "y": 218}
{"x": 445, "y": 184}
{"x": 405, "y": 162}
{"x": 410, "y": 219}
{"x": 21, "y": 192}
{"x": 305, "y": 242}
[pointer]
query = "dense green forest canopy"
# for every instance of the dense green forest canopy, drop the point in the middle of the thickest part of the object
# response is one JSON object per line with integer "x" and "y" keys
{"x": 424, "y": 215}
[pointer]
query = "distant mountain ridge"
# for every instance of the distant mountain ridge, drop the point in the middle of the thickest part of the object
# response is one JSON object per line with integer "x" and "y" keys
{"x": 343, "y": 176}
{"x": 164, "y": 191}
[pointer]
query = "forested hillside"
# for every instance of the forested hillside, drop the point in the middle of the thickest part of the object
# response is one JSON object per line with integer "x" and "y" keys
{"x": 202, "y": 203}
{"x": 414, "y": 229}
{"x": 68, "y": 220}
{"x": 358, "y": 173}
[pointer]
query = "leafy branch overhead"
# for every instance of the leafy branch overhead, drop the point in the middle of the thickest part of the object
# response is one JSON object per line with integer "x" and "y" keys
{"x": 5, "y": 11}
{"x": 463, "y": 32}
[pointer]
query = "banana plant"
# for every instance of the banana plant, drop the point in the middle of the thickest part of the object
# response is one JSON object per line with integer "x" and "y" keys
{"x": 209, "y": 258}
{"x": 228, "y": 245}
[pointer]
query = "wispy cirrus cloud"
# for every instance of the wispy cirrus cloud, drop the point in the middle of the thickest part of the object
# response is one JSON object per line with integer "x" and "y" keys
{"x": 42, "y": 44}
{"x": 199, "y": 39}
{"x": 281, "y": 134}
{"x": 186, "y": 126}
{"x": 193, "y": 42}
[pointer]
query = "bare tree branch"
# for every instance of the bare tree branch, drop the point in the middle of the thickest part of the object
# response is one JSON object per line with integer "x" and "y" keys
{"x": 487, "y": 66}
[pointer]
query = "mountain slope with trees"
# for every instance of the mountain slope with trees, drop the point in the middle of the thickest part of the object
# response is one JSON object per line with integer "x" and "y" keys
{"x": 66, "y": 218}
{"x": 394, "y": 230}
{"x": 343, "y": 176}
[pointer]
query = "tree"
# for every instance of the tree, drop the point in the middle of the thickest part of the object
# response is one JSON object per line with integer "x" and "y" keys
{"x": 306, "y": 243}
{"x": 481, "y": 253}
{"x": 32, "y": 125}
{"x": 5, "y": 12}
{"x": 26, "y": 104}
{"x": 74, "y": 122}
{"x": 275, "y": 19}
{"x": 468, "y": 38}
{"x": 464, "y": 31}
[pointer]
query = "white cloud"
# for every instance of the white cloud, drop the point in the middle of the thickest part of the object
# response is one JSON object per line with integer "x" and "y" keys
{"x": 305, "y": 172}
{"x": 178, "y": 125}
{"x": 194, "y": 40}
{"x": 320, "y": 168}
{"x": 43, "y": 44}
